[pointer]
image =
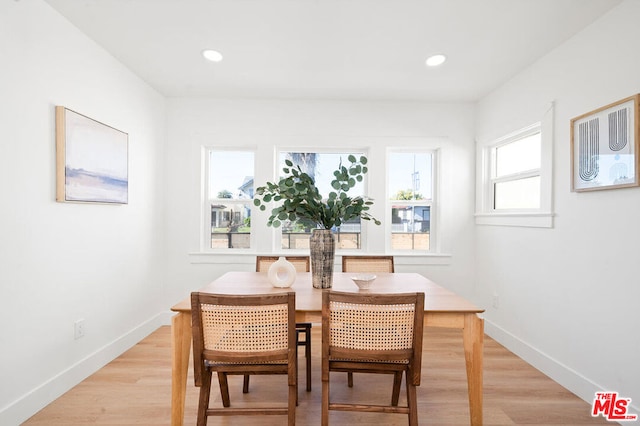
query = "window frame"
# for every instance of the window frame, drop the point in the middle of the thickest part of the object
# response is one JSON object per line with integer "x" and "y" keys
{"x": 486, "y": 213}
{"x": 357, "y": 151}
{"x": 512, "y": 177}
{"x": 205, "y": 228}
{"x": 429, "y": 202}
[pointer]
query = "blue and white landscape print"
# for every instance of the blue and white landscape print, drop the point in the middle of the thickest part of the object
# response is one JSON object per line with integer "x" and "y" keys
{"x": 96, "y": 163}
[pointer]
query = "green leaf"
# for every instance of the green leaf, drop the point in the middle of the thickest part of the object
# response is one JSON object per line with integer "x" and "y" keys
{"x": 335, "y": 184}
{"x": 363, "y": 160}
{"x": 263, "y": 207}
{"x": 359, "y": 178}
{"x": 288, "y": 163}
{"x": 352, "y": 158}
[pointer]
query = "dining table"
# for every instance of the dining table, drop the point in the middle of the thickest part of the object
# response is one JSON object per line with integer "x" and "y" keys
{"x": 443, "y": 308}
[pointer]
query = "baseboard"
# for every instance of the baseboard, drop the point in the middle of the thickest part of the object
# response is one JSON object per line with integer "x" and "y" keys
{"x": 32, "y": 402}
{"x": 576, "y": 383}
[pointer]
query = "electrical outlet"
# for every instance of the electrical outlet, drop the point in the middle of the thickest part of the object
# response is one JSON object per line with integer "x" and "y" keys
{"x": 78, "y": 329}
{"x": 496, "y": 301}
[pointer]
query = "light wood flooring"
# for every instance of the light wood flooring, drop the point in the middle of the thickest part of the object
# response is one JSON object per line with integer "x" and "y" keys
{"x": 135, "y": 389}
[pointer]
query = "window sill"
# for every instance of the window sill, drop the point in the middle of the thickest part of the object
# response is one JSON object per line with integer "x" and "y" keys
{"x": 247, "y": 258}
{"x": 527, "y": 220}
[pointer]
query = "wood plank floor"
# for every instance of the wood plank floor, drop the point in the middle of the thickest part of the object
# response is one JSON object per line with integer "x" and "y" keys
{"x": 135, "y": 389}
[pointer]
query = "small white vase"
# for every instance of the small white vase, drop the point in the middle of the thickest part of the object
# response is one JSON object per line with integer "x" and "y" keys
{"x": 281, "y": 273}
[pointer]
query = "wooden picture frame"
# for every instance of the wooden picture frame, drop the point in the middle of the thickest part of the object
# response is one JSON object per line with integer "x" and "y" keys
{"x": 605, "y": 145}
{"x": 91, "y": 160}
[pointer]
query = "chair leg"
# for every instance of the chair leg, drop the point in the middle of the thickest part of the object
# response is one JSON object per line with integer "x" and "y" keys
{"x": 203, "y": 404}
{"x": 397, "y": 382}
{"x": 224, "y": 389}
{"x": 307, "y": 354}
{"x": 412, "y": 402}
{"x": 325, "y": 403}
{"x": 350, "y": 379}
{"x": 245, "y": 384}
{"x": 291, "y": 407}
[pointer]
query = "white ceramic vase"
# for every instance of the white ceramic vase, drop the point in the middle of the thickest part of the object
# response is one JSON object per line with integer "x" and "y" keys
{"x": 281, "y": 273}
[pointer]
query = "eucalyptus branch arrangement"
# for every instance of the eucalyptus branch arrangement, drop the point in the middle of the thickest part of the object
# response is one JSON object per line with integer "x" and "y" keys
{"x": 302, "y": 201}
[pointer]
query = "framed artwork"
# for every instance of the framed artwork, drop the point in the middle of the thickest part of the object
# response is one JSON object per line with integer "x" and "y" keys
{"x": 604, "y": 147}
{"x": 91, "y": 160}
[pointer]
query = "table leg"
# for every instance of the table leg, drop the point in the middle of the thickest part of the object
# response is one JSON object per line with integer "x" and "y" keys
{"x": 181, "y": 349}
{"x": 473, "y": 335}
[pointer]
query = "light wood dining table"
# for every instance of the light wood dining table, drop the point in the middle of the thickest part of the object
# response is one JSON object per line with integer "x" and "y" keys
{"x": 443, "y": 308}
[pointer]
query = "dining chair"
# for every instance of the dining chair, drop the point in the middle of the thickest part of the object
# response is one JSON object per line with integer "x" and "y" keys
{"x": 366, "y": 264}
{"x": 236, "y": 334}
{"x": 302, "y": 264}
{"x": 373, "y": 333}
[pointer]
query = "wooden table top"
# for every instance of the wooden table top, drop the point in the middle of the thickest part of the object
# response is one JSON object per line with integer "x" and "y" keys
{"x": 309, "y": 299}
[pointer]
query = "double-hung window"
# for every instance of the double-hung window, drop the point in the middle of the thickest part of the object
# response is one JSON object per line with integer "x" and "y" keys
{"x": 515, "y": 172}
{"x": 320, "y": 165}
{"x": 228, "y": 198}
{"x": 411, "y": 200}
{"x": 514, "y": 183}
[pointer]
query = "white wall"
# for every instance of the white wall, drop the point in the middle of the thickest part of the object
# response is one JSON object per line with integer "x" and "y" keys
{"x": 266, "y": 124}
{"x": 569, "y": 295}
{"x": 60, "y": 262}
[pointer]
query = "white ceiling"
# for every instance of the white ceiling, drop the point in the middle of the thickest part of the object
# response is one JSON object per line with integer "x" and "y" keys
{"x": 330, "y": 49}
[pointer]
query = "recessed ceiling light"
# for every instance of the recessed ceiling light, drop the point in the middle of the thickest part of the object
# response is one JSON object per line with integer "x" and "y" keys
{"x": 212, "y": 55}
{"x": 435, "y": 60}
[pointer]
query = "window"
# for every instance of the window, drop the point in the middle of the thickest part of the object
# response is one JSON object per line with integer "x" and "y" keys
{"x": 229, "y": 194}
{"x": 411, "y": 189}
{"x": 401, "y": 181}
{"x": 514, "y": 181}
{"x": 320, "y": 166}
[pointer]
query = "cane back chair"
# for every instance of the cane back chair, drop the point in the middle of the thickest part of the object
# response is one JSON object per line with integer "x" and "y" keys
{"x": 366, "y": 264}
{"x": 240, "y": 334}
{"x": 302, "y": 264}
{"x": 373, "y": 333}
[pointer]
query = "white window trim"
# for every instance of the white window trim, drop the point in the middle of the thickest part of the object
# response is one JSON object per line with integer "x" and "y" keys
{"x": 537, "y": 218}
{"x": 432, "y": 203}
{"x": 265, "y": 240}
{"x": 205, "y": 217}
{"x": 277, "y": 232}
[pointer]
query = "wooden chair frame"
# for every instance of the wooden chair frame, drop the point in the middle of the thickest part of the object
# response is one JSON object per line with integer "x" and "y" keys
{"x": 353, "y": 263}
{"x": 367, "y": 264}
{"x": 379, "y": 360}
{"x": 302, "y": 264}
{"x": 224, "y": 362}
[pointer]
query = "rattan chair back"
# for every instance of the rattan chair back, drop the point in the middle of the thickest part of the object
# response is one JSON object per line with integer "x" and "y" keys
{"x": 301, "y": 263}
{"x": 240, "y": 334}
{"x": 373, "y": 333}
{"x": 367, "y": 264}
